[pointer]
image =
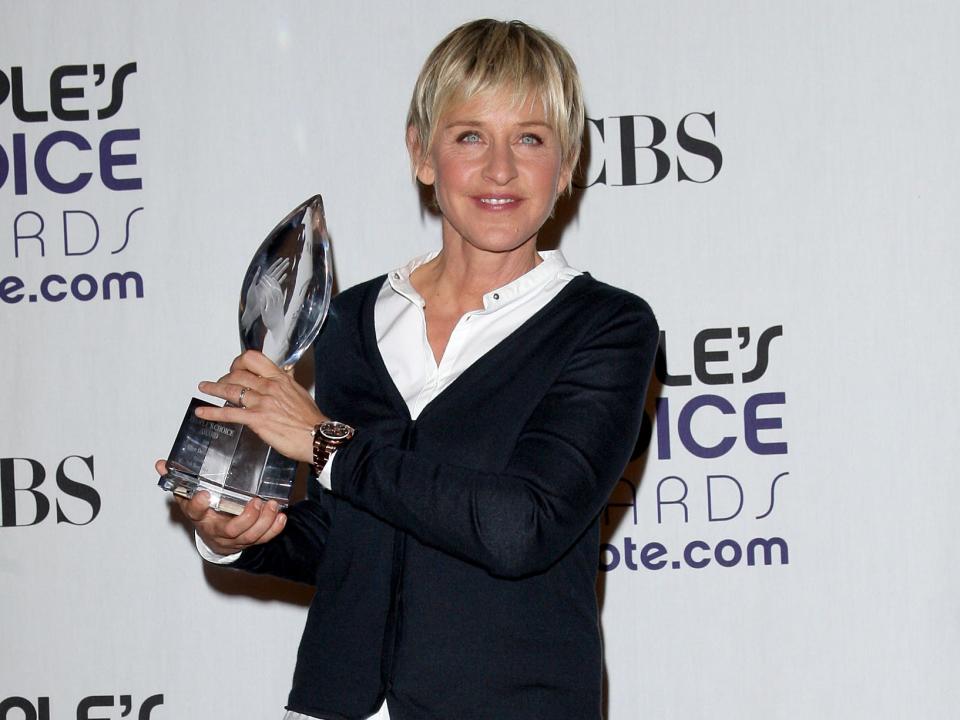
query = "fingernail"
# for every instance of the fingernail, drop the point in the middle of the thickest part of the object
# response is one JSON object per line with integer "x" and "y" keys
{"x": 257, "y": 503}
{"x": 283, "y": 519}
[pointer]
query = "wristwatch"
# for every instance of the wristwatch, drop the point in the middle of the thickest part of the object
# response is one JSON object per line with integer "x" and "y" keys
{"x": 327, "y": 437}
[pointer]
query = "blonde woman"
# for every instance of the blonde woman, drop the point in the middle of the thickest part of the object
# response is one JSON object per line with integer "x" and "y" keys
{"x": 478, "y": 405}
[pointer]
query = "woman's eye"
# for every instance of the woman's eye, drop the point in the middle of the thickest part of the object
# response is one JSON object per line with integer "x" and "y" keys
{"x": 469, "y": 137}
{"x": 531, "y": 139}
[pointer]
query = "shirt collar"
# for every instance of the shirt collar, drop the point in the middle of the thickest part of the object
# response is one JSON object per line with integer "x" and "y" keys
{"x": 399, "y": 279}
{"x": 553, "y": 265}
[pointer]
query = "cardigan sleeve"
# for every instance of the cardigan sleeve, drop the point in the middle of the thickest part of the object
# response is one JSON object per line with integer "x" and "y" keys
{"x": 564, "y": 464}
{"x": 295, "y": 553}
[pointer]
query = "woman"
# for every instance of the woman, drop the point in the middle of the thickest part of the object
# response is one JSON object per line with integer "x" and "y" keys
{"x": 488, "y": 397}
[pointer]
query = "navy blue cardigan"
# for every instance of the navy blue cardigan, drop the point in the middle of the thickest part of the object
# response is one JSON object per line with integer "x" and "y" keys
{"x": 456, "y": 558}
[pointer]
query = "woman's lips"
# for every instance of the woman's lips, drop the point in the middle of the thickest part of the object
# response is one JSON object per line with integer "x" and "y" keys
{"x": 497, "y": 202}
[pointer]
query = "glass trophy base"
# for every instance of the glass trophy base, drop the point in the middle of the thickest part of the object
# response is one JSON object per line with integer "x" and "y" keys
{"x": 221, "y": 498}
{"x": 227, "y": 460}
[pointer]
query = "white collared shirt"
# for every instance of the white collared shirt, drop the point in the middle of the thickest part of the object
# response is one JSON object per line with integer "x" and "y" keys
{"x": 401, "y": 329}
{"x": 401, "y": 326}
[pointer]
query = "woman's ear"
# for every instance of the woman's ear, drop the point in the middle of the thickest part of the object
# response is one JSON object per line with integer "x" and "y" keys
{"x": 419, "y": 162}
{"x": 563, "y": 182}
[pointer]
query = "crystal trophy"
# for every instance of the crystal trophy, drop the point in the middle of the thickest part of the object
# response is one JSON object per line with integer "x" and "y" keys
{"x": 283, "y": 302}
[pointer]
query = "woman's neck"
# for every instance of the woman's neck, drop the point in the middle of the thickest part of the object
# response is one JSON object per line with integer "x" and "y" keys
{"x": 461, "y": 274}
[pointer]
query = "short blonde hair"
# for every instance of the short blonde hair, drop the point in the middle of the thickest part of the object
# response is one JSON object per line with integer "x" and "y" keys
{"x": 493, "y": 54}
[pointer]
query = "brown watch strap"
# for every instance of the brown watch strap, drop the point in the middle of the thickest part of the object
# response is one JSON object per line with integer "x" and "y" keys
{"x": 324, "y": 446}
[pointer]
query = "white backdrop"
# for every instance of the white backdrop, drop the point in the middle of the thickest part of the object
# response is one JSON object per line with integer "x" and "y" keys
{"x": 830, "y": 217}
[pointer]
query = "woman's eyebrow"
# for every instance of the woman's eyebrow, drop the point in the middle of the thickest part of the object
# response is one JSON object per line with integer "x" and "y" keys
{"x": 462, "y": 121}
{"x": 480, "y": 123}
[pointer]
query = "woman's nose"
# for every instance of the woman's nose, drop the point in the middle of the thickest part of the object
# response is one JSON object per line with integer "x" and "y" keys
{"x": 501, "y": 166}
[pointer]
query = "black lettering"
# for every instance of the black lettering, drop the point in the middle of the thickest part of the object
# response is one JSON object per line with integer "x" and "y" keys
{"x": 58, "y": 93}
{"x": 4, "y": 87}
{"x": 40, "y": 712}
{"x": 81, "y": 491}
{"x": 116, "y": 99}
{"x": 602, "y": 175}
{"x": 660, "y": 366}
{"x": 92, "y": 702}
{"x": 629, "y": 148}
{"x": 16, "y": 77}
{"x": 9, "y": 490}
{"x": 701, "y": 356}
{"x": 763, "y": 353}
{"x": 695, "y": 146}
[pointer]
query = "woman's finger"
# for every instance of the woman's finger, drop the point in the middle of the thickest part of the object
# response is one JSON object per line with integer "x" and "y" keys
{"x": 265, "y": 520}
{"x": 196, "y": 507}
{"x": 218, "y": 389}
{"x": 243, "y": 401}
{"x": 256, "y": 362}
{"x": 237, "y": 394}
{"x": 240, "y": 378}
{"x": 228, "y": 414}
{"x": 279, "y": 523}
{"x": 237, "y": 526}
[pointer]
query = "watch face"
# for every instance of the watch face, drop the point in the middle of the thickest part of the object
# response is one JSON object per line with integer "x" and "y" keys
{"x": 333, "y": 430}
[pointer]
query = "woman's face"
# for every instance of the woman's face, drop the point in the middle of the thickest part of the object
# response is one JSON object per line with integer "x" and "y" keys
{"x": 496, "y": 169}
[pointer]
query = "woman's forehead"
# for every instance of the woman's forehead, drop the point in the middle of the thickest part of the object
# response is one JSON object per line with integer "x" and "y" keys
{"x": 497, "y": 101}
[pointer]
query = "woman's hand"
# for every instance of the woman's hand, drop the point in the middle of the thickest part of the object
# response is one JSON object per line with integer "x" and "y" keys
{"x": 269, "y": 401}
{"x": 226, "y": 534}
{"x": 272, "y": 404}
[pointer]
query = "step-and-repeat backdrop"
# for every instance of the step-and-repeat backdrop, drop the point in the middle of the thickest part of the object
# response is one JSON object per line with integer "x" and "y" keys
{"x": 778, "y": 180}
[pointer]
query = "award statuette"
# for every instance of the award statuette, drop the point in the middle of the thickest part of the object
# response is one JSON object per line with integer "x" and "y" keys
{"x": 283, "y": 303}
